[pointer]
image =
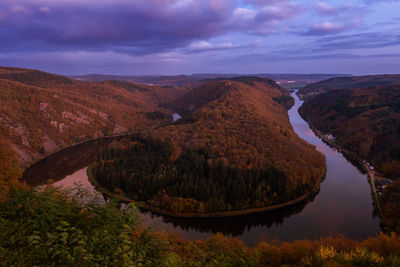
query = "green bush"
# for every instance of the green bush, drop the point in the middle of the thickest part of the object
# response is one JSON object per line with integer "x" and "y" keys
{"x": 52, "y": 229}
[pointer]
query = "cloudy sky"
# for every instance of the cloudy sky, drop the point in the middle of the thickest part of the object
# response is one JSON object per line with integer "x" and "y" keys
{"x": 201, "y": 36}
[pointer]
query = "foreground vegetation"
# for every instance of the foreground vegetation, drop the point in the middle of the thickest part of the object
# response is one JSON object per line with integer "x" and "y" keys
{"x": 51, "y": 228}
{"x": 10, "y": 171}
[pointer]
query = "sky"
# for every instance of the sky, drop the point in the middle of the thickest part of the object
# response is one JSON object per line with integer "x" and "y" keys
{"x": 167, "y": 37}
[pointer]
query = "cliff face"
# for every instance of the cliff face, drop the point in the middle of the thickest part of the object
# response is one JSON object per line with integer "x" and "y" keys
{"x": 42, "y": 112}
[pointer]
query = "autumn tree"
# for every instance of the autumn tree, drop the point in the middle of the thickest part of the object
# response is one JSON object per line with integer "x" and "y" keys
{"x": 10, "y": 171}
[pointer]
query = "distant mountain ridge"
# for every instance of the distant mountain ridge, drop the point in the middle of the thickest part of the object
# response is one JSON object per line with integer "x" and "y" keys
{"x": 197, "y": 79}
{"x": 348, "y": 83}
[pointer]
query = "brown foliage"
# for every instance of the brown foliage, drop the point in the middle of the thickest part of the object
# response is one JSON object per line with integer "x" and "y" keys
{"x": 10, "y": 171}
{"x": 247, "y": 127}
{"x": 365, "y": 121}
{"x": 41, "y": 112}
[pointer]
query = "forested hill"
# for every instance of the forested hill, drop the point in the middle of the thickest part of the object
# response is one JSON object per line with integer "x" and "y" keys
{"x": 42, "y": 112}
{"x": 234, "y": 149}
{"x": 246, "y": 125}
{"x": 269, "y": 87}
{"x": 365, "y": 121}
{"x": 348, "y": 83}
{"x": 219, "y": 89}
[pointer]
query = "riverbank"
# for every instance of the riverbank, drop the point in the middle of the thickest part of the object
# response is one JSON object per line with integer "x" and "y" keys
{"x": 221, "y": 214}
{"x": 360, "y": 164}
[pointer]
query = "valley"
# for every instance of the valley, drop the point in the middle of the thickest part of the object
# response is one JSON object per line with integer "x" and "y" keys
{"x": 191, "y": 133}
{"x": 344, "y": 200}
{"x": 238, "y": 160}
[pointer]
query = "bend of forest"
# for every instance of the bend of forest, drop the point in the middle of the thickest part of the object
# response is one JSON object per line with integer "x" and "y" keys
{"x": 235, "y": 137}
{"x": 234, "y": 149}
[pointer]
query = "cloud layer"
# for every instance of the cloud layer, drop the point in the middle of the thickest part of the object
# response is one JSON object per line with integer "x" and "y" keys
{"x": 134, "y": 26}
{"x": 181, "y": 32}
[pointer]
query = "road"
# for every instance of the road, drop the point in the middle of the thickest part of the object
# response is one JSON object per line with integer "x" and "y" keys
{"x": 371, "y": 172}
{"x": 371, "y": 175}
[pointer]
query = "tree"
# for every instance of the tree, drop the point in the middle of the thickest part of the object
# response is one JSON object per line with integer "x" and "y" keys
{"x": 10, "y": 171}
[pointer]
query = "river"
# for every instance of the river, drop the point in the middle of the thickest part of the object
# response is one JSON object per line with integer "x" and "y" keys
{"x": 343, "y": 205}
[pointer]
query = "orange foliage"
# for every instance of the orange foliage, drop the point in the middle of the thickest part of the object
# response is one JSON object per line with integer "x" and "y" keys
{"x": 245, "y": 126}
{"x": 42, "y": 112}
{"x": 10, "y": 171}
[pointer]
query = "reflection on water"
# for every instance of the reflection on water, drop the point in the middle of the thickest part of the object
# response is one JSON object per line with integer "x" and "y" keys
{"x": 343, "y": 205}
{"x": 66, "y": 162}
{"x": 231, "y": 226}
{"x": 176, "y": 117}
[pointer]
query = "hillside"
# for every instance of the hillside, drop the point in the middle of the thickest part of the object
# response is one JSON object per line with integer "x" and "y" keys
{"x": 347, "y": 83}
{"x": 234, "y": 149}
{"x": 212, "y": 90}
{"x": 365, "y": 121}
{"x": 244, "y": 123}
{"x": 42, "y": 112}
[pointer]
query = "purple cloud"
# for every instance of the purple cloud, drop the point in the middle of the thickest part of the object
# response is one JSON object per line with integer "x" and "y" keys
{"x": 358, "y": 41}
{"x": 112, "y": 24}
{"x": 134, "y": 27}
{"x": 281, "y": 11}
{"x": 204, "y": 46}
{"x": 325, "y": 28}
{"x": 343, "y": 11}
{"x": 380, "y": 1}
{"x": 267, "y": 16}
{"x": 155, "y": 36}
{"x": 325, "y": 9}
{"x": 340, "y": 46}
